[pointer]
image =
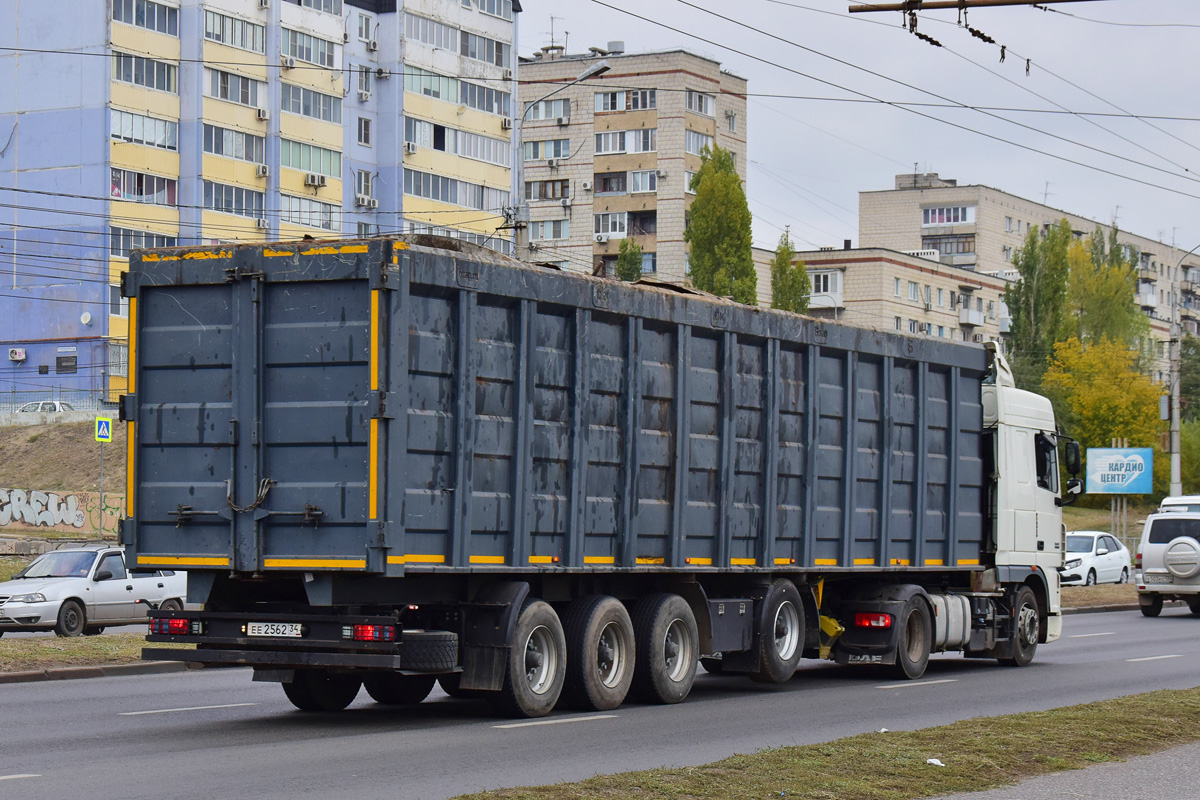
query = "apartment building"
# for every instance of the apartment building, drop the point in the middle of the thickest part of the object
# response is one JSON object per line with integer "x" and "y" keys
{"x": 612, "y": 156}
{"x": 150, "y": 123}
{"x": 979, "y": 228}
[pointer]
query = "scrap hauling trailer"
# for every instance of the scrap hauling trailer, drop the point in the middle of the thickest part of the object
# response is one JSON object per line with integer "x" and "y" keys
{"x": 392, "y": 462}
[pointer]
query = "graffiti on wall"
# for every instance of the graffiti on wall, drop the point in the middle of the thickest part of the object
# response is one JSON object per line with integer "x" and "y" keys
{"x": 82, "y": 511}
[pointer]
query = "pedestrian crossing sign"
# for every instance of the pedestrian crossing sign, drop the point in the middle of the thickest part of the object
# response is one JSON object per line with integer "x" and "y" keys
{"x": 103, "y": 429}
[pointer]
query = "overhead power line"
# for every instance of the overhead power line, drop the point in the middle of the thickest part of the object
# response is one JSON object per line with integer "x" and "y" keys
{"x": 926, "y": 5}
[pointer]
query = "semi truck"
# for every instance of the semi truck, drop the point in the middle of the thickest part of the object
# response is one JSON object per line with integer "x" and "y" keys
{"x": 390, "y": 462}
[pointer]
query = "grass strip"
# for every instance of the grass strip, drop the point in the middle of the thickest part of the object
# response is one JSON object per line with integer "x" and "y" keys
{"x": 981, "y": 753}
{"x": 46, "y": 652}
{"x": 1104, "y": 594}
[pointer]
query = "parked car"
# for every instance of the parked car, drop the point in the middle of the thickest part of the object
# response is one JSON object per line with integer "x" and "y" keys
{"x": 52, "y": 406}
{"x": 1167, "y": 566}
{"x": 1094, "y": 557}
{"x": 81, "y": 590}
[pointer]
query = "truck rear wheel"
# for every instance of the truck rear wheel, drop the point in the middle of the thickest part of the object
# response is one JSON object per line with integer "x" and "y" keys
{"x": 537, "y": 663}
{"x": 320, "y": 690}
{"x": 393, "y": 689}
{"x": 668, "y": 648}
{"x": 781, "y": 636}
{"x": 1027, "y": 625}
{"x": 600, "y": 653}
{"x": 914, "y": 639}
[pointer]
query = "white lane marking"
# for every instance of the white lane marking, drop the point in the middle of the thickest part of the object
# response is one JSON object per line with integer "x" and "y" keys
{"x": 917, "y": 683}
{"x": 1154, "y": 658}
{"x": 1087, "y": 635}
{"x": 17, "y": 777}
{"x": 172, "y": 710}
{"x": 555, "y": 721}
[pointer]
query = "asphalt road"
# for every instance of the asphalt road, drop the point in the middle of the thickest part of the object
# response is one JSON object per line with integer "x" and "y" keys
{"x": 214, "y": 733}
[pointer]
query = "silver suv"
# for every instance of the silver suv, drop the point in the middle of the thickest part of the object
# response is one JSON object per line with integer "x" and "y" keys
{"x": 1167, "y": 565}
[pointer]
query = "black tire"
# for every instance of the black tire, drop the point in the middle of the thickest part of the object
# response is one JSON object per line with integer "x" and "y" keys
{"x": 668, "y": 648}
{"x": 451, "y": 685}
{"x": 1194, "y": 605}
{"x": 600, "y": 653}
{"x": 1152, "y": 608}
{"x": 1124, "y": 575}
{"x": 781, "y": 634}
{"x": 713, "y": 666}
{"x": 394, "y": 689}
{"x": 537, "y": 663}
{"x": 1090, "y": 580}
{"x": 428, "y": 651}
{"x": 71, "y": 619}
{"x": 94, "y": 631}
{"x": 319, "y": 690}
{"x": 1026, "y": 629}
{"x": 171, "y": 605}
{"x": 914, "y": 640}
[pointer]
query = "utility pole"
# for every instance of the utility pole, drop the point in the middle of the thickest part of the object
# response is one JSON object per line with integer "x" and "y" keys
{"x": 929, "y": 5}
{"x": 1176, "y": 462}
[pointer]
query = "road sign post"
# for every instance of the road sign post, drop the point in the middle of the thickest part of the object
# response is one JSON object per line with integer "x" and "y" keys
{"x": 103, "y": 434}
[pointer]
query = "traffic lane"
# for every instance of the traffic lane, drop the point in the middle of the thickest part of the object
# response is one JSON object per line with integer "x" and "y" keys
{"x": 445, "y": 747}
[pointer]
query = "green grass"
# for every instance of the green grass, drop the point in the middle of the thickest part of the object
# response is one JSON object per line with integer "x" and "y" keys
{"x": 11, "y": 565}
{"x": 978, "y": 753}
{"x": 44, "y": 652}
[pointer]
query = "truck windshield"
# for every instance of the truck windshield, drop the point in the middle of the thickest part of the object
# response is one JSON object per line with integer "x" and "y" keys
{"x": 1079, "y": 544}
{"x": 60, "y": 565}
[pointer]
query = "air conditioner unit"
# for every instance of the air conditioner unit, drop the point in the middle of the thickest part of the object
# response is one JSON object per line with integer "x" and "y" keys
{"x": 264, "y": 3}
{"x": 566, "y": 202}
{"x": 262, "y": 171}
{"x": 372, "y": 203}
{"x": 264, "y": 113}
{"x": 601, "y": 238}
{"x": 382, "y": 74}
{"x": 927, "y": 305}
{"x": 552, "y": 163}
{"x": 346, "y": 36}
{"x": 564, "y": 121}
{"x": 410, "y": 147}
{"x": 364, "y": 95}
{"x": 287, "y": 62}
{"x": 660, "y": 173}
{"x": 313, "y": 179}
{"x": 16, "y": 354}
{"x": 586, "y": 186}
{"x": 361, "y": 199}
{"x": 261, "y": 222}
{"x": 508, "y": 74}
{"x": 372, "y": 46}
{"x": 506, "y": 124}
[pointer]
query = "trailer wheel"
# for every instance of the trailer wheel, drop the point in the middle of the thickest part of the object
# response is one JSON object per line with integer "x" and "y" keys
{"x": 393, "y": 689}
{"x": 320, "y": 690}
{"x": 1151, "y": 604}
{"x": 914, "y": 640}
{"x": 1027, "y": 623}
{"x": 781, "y": 636}
{"x": 537, "y": 663}
{"x": 600, "y": 653}
{"x": 668, "y": 648}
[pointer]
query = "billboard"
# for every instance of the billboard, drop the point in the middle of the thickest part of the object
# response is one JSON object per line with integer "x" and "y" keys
{"x": 1116, "y": 470}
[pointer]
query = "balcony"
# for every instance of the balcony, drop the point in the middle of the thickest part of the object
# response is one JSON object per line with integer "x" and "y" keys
{"x": 1145, "y": 274}
{"x": 970, "y": 318}
{"x": 1187, "y": 286}
{"x": 1147, "y": 299}
{"x": 1186, "y": 312}
{"x": 826, "y": 300}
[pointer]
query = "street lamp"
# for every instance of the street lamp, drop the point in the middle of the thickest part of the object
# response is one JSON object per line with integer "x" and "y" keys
{"x": 521, "y": 217}
{"x": 1175, "y": 343}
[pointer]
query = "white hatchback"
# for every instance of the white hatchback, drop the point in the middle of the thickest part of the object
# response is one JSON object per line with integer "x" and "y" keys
{"x": 1167, "y": 566}
{"x": 1094, "y": 557}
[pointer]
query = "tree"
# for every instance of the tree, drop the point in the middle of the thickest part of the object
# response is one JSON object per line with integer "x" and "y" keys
{"x": 718, "y": 230}
{"x": 1189, "y": 377}
{"x": 790, "y": 284}
{"x": 1037, "y": 302}
{"x": 629, "y": 261}
{"x": 1101, "y": 292}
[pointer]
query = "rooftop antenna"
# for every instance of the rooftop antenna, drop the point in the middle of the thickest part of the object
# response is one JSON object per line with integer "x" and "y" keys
{"x": 553, "y": 42}
{"x": 1046, "y": 192}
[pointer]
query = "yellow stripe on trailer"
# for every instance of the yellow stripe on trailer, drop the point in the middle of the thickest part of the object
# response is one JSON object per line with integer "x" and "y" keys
{"x": 416, "y": 558}
{"x": 698, "y": 562}
{"x": 933, "y": 562}
{"x": 650, "y": 561}
{"x": 486, "y": 559}
{"x": 599, "y": 560}
{"x": 784, "y": 561}
{"x": 900, "y": 562}
{"x": 182, "y": 561}
{"x": 315, "y": 563}
{"x": 825, "y": 562}
{"x": 864, "y": 562}
{"x": 745, "y": 562}
{"x": 543, "y": 559}
{"x": 968, "y": 562}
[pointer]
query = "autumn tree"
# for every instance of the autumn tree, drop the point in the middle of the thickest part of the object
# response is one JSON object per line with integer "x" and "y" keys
{"x": 629, "y": 260}
{"x": 1102, "y": 292}
{"x": 1037, "y": 301}
{"x": 1189, "y": 378}
{"x": 718, "y": 230}
{"x": 790, "y": 284}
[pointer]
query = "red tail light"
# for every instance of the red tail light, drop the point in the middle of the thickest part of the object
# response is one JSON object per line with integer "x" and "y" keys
{"x": 175, "y": 627}
{"x": 371, "y": 633}
{"x": 872, "y": 620}
{"x": 1137, "y": 561}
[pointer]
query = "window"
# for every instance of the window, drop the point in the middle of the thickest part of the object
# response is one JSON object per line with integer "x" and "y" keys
{"x": 233, "y": 200}
{"x": 953, "y": 300}
{"x": 308, "y": 48}
{"x": 122, "y": 240}
{"x": 481, "y": 48}
{"x": 611, "y": 142}
{"x": 941, "y": 297}
{"x": 949, "y": 245}
{"x": 610, "y": 101}
{"x": 235, "y": 88}
{"x": 941, "y": 331}
{"x": 146, "y": 14}
{"x": 549, "y": 148}
{"x": 825, "y": 283}
{"x": 913, "y": 326}
{"x": 899, "y": 323}
{"x": 1046, "y": 462}
{"x": 700, "y": 103}
{"x": 307, "y": 212}
{"x": 609, "y": 183}
{"x": 548, "y": 109}
{"x": 643, "y": 181}
{"x": 547, "y": 190}
{"x": 364, "y": 27}
{"x": 118, "y": 354}
{"x": 310, "y": 158}
{"x": 643, "y": 141}
{"x": 914, "y": 291}
{"x": 365, "y": 73}
{"x": 689, "y": 179}
{"x": 649, "y": 263}
{"x": 364, "y": 131}
{"x": 642, "y": 222}
{"x": 145, "y": 72}
{"x": 497, "y": 8}
{"x": 731, "y": 118}
{"x": 482, "y": 98}
{"x": 328, "y": 6}
{"x": 430, "y": 32}
{"x": 419, "y": 81}
{"x": 1008, "y": 224}
{"x": 695, "y": 142}
{"x": 1008, "y": 253}
{"x": 612, "y": 223}
{"x": 463, "y": 143}
{"x": 138, "y": 129}
{"x": 550, "y": 229}
{"x": 952, "y": 215}
{"x": 234, "y": 144}
{"x": 454, "y": 192}
{"x": 364, "y": 182}
{"x": 928, "y": 294}
{"x": 896, "y": 287}
{"x": 363, "y": 230}
{"x": 117, "y": 306}
{"x": 235, "y": 32}
{"x": 991, "y": 309}
{"x": 306, "y": 102}
{"x": 140, "y": 187}
{"x": 642, "y": 99}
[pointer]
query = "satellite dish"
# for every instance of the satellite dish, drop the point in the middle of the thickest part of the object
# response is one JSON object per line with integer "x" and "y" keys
{"x": 86, "y": 318}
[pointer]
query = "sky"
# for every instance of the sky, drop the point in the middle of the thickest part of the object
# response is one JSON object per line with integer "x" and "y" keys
{"x": 812, "y": 151}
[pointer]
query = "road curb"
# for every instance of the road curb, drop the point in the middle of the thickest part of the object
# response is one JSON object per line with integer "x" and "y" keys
{"x": 1118, "y": 607}
{"x": 100, "y": 671}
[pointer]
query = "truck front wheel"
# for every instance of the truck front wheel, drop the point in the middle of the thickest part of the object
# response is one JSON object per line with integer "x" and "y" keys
{"x": 537, "y": 664}
{"x": 914, "y": 639}
{"x": 320, "y": 690}
{"x": 1027, "y": 624}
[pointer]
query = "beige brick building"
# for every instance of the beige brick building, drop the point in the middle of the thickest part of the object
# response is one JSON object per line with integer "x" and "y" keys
{"x": 612, "y": 156}
{"x": 979, "y": 228}
{"x": 912, "y": 293}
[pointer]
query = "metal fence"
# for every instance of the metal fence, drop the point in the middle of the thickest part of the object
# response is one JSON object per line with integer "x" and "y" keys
{"x": 77, "y": 399}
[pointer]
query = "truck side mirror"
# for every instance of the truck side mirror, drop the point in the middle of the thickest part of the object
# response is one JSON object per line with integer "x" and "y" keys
{"x": 1074, "y": 489}
{"x": 1073, "y": 458}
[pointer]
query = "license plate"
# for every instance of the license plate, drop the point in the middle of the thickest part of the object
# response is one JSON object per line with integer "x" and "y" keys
{"x": 1157, "y": 578}
{"x": 277, "y": 629}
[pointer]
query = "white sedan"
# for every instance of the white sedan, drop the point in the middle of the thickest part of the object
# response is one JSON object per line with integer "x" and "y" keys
{"x": 1094, "y": 557}
{"x": 82, "y": 590}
